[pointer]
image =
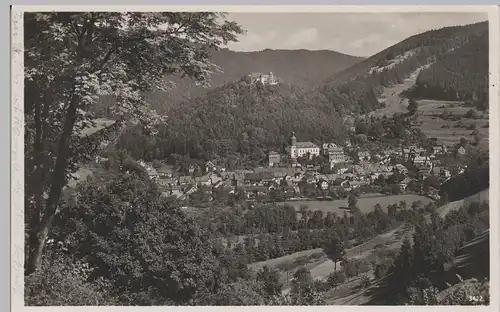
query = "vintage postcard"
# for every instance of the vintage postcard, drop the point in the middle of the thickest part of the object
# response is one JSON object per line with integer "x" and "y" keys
{"x": 254, "y": 156}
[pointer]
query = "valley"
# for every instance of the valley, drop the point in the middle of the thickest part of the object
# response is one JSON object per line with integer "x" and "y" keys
{"x": 288, "y": 177}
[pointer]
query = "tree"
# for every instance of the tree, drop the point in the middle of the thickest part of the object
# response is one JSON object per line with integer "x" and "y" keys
{"x": 463, "y": 141}
{"x": 470, "y": 114}
{"x": 303, "y": 289}
{"x": 334, "y": 249}
{"x": 401, "y": 274}
{"x": 74, "y": 60}
{"x": 270, "y": 279}
{"x": 412, "y": 106}
{"x": 150, "y": 252}
{"x": 352, "y": 201}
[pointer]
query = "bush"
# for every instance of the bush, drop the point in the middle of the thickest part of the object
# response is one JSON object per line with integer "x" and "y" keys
{"x": 61, "y": 283}
{"x": 470, "y": 292}
{"x": 365, "y": 281}
{"x": 336, "y": 278}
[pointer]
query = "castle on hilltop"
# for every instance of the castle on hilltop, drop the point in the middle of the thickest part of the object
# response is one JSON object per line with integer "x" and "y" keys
{"x": 264, "y": 78}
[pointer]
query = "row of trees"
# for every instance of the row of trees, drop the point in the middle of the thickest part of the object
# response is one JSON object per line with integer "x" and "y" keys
{"x": 420, "y": 264}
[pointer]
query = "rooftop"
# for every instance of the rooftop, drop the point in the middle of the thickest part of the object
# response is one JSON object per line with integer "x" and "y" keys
{"x": 306, "y": 145}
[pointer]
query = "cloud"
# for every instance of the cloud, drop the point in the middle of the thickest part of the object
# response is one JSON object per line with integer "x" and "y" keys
{"x": 370, "y": 39}
{"x": 301, "y": 38}
{"x": 255, "y": 41}
{"x": 361, "y": 34}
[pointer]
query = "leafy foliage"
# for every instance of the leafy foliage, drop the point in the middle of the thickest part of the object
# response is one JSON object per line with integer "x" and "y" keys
{"x": 148, "y": 250}
{"x": 72, "y": 60}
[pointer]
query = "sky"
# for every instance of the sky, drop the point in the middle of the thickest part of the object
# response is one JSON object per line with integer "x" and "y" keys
{"x": 359, "y": 34}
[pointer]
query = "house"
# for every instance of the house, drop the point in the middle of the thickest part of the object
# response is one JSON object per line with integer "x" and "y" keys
{"x": 204, "y": 180}
{"x": 310, "y": 178}
{"x": 184, "y": 180}
{"x": 176, "y": 191}
{"x": 422, "y": 160}
{"x": 291, "y": 191}
{"x": 99, "y": 159}
{"x": 461, "y": 151}
{"x": 220, "y": 169}
{"x": 255, "y": 191}
{"x": 322, "y": 184}
{"x": 274, "y": 159}
{"x": 191, "y": 190}
{"x": 209, "y": 166}
{"x": 165, "y": 171}
{"x": 403, "y": 184}
{"x": 278, "y": 172}
{"x": 259, "y": 178}
{"x": 300, "y": 149}
{"x": 152, "y": 173}
{"x": 166, "y": 181}
{"x": 412, "y": 151}
{"x": 364, "y": 155}
{"x": 439, "y": 150}
{"x": 336, "y": 155}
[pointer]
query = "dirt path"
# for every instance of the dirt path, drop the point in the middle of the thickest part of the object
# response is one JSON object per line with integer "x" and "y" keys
{"x": 394, "y": 103}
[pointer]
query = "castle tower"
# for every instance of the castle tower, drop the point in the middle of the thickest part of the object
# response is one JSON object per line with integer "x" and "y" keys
{"x": 272, "y": 80}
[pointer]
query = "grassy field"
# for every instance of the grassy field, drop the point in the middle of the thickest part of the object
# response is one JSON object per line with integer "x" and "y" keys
{"x": 320, "y": 266}
{"x": 452, "y": 206}
{"x": 364, "y": 204}
{"x": 432, "y": 125}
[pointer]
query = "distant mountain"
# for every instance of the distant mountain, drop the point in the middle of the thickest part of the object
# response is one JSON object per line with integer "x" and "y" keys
{"x": 363, "y": 82}
{"x": 245, "y": 118}
{"x": 303, "y": 68}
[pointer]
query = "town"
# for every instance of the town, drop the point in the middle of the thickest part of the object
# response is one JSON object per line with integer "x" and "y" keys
{"x": 309, "y": 171}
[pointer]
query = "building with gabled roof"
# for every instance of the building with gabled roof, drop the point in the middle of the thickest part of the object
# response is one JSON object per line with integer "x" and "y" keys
{"x": 300, "y": 149}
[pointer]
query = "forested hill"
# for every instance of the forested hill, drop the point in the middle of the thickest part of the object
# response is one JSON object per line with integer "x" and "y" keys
{"x": 461, "y": 74}
{"x": 364, "y": 80}
{"x": 242, "y": 118}
{"x": 303, "y": 68}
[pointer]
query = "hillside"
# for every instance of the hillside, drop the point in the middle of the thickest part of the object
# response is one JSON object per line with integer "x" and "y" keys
{"x": 461, "y": 74}
{"x": 364, "y": 81}
{"x": 303, "y": 68}
{"x": 482, "y": 196}
{"x": 242, "y": 118}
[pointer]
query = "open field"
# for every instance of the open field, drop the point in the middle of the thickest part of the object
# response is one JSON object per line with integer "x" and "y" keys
{"x": 364, "y": 204}
{"x": 316, "y": 261}
{"x": 452, "y": 206}
{"x": 433, "y": 126}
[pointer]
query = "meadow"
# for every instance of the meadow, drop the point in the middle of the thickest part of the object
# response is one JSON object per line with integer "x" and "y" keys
{"x": 365, "y": 204}
{"x": 433, "y": 126}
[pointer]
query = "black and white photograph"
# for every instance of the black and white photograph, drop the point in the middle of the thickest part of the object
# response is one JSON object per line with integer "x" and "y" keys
{"x": 254, "y": 158}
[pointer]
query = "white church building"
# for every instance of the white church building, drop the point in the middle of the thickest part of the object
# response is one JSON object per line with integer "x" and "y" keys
{"x": 300, "y": 149}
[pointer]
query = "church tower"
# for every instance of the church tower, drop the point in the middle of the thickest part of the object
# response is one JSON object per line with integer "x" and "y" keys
{"x": 293, "y": 146}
